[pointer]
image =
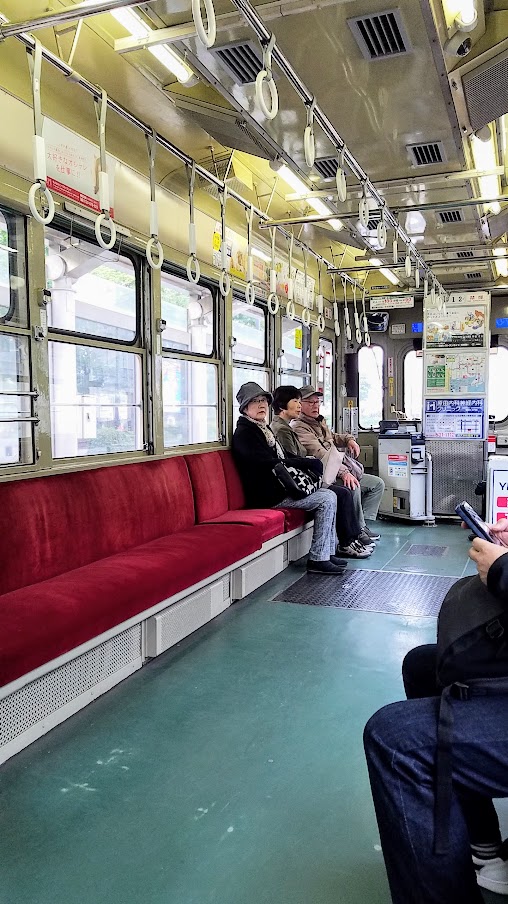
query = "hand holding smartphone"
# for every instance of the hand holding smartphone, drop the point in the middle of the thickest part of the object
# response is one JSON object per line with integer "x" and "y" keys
{"x": 475, "y": 523}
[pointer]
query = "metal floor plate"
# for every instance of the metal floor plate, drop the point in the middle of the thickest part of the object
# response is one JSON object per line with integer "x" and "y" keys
{"x": 420, "y": 550}
{"x": 373, "y": 591}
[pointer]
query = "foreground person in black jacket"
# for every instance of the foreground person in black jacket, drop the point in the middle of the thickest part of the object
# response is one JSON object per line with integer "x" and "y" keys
{"x": 256, "y": 453}
{"x": 401, "y": 746}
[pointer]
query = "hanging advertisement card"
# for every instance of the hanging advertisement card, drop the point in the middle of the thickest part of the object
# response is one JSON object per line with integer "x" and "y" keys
{"x": 455, "y": 418}
{"x": 460, "y": 327}
{"x": 73, "y": 164}
{"x": 389, "y": 302}
{"x": 455, "y": 373}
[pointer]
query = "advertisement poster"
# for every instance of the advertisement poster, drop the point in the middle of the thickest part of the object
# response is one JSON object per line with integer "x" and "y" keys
{"x": 237, "y": 257}
{"x": 390, "y": 302}
{"x": 468, "y": 298}
{"x": 458, "y": 328}
{"x": 455, "y": 373}
{"x": 454, "y": 418}
{"x": 73, "y": 165}
{"x": 397, "y": 466}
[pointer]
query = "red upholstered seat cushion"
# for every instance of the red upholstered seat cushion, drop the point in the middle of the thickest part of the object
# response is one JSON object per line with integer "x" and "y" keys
{"x": 51, "y": 525}
{"x": 209, "y": 485}
{"x": 269, "y": 521}
{"x": 295, "y": 518}
{"x": 236, "y": 496}
{"x": 44, "y": 621}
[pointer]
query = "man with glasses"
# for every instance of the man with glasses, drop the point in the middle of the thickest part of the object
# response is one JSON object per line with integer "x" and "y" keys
{"x": 317, "y": 438}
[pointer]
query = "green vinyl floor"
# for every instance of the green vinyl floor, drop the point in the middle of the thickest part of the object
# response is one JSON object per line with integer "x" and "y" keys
{"x": 228, "y": 771}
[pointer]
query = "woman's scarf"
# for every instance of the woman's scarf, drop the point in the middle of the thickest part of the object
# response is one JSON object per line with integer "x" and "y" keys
{"x": 268, "y": 435}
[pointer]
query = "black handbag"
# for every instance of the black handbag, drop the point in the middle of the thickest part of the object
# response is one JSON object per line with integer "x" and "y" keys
{"x": 297, "y": 483}
{"x": 472, "y": 660}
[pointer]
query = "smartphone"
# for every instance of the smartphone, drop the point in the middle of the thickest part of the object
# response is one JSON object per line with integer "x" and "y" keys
{"x": 478, "y": 527}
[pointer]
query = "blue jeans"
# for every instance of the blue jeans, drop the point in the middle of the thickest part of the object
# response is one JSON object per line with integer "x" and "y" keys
{"x": 400, "y": 745}
{"x": 324, "y": 505}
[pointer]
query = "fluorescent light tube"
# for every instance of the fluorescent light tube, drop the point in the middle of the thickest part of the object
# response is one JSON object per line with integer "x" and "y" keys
{"x": 165, "y": 55}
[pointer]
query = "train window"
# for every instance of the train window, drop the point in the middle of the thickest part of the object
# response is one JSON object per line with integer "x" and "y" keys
{"x": 190, "y": 401}
{"x": 93, "y": 292}
{"x": 325, "y": 377}
{"x": 95, "y": 400}
{"x": 498, "y": 369}
{"x": 188, "y": 312}
{"x": 413, "y": 385}
{"x": 246, "y": 375}
{"x": 296, "y": 351}
{"x": 13, "y": 306}
{"x": 249, "y": 330}
{"x": 16, "y": 446}
{"x": 370, "y": 393}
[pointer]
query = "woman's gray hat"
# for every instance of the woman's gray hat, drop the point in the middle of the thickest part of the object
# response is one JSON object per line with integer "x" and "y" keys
{"x": 250, "y": 391}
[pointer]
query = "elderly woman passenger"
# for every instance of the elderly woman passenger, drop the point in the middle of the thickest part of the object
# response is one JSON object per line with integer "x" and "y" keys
{"x": 256, "y": 453}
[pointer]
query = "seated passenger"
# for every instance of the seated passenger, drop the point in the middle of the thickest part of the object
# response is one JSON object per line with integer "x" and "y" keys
{"x": 317, "y": 438}
{"x": 401, "y": 749}
{"x": 286, "y": 406}
{"x": 256, "y": 453}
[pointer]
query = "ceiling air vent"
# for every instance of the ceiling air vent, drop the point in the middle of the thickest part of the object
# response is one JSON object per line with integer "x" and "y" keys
{"x": 450, "y": 216}
{"x": 381, "y": 35}
{"x": 476, "y": 275}
{"x": 242, "y": 60}
{"x": 327, "y": 167}
{"x": 426, "y": 154}
{"x": 486, "y": 90}
{"x": 464, "y": 254}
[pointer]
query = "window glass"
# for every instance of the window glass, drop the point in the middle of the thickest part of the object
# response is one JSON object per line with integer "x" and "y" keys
{"x": 13, "y": 307}
{"x": 325, "y": 378}
{"x": 246, "y": 375}
{"x": 92, "y": 291}
{"x": 370, "y": 375}
{"x": 413, "y": 385}
{"x": 16, "y": 446}
{"x": 249, "y": 330}
{"x": 498, "y": 378}
{"x": 190, "y": 402}
{"x": 188, "y": 312}
{"x": 296, "y": 346}
{"x": 95, "y": 400}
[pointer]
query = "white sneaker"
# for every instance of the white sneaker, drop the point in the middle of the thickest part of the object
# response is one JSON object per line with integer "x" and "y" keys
{"x": 355, "y": 550}
{"x": 493, "y": 875}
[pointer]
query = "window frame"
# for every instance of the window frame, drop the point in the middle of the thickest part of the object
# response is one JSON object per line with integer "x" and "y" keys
{"x": 258, "y": 303}
{"x": 13, "y": 221}
{"x": 213, "y": 288}
{"x": 81, "y": 232}
{"x": 372, "y": 429}
{"x": 306, "y": 375}
{"x": 504, "y": 347}
{"x": 409, "y": 351}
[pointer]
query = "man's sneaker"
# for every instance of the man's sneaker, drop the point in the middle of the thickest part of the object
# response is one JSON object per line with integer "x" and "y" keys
{"x": 355, "y": 550}
{"x": 365, "y": 538}
{"x": 493, "y": 875}
{"x": 373, "y": 534}
{"x": 339, "y": 562}
{"x": 328, "y": 567}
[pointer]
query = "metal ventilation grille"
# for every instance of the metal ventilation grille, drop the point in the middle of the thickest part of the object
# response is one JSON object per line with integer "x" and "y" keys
{"x": 476, "y": 275}
{"x": 486, "y": 91}
{"x": 242, "y": 60}
{"x": 327, "y": 167}
{"x": 464, "y": 254}
{"x": 457, "y": 468}
{"x": 450, "y": 216}
{"x": 426, "y": 154}
{"x": 381, "y": 35}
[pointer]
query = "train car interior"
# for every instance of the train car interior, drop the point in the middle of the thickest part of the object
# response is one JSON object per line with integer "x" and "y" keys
{"x": 195, "y": 197}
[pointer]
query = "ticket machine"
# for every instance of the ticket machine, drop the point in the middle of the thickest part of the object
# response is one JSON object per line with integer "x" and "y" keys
{"x": 406, "y": 468}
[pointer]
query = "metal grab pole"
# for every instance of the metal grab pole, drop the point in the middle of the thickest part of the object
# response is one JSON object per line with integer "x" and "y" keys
{"x": 70, "y": 14}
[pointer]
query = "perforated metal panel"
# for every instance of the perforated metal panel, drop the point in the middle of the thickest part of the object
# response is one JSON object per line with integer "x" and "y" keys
{"x": 456, "y": 469}
{"x": 486, "y": 91}
{"x": 420, "y": 549}
{"x": 36, "y": 701}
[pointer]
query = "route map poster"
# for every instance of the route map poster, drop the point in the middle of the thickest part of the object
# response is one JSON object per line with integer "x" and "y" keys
{"x": 455, "y": 373}
{"x": 454, "y": 418}
{"x": 458, "y": 328}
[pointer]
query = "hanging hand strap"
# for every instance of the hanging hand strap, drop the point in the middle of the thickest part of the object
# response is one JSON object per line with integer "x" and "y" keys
{"x": 347, "y": 324}
{"x": 206, "y": 35}
{"x": 366, "y": 333}
{"x": 250, "y": 292}
{"x": 193, "y": 268}
{"x": 358, "y": 332}
{"x": 101, "y": 109}
{"x": 225, "y": 279}
{"x": 273, "y": 301}
{"x": 290, "y": 307}
{"x": 39, "y": 147}
{"x": 153, "y": 241}
{"x": 309, "y": 142}
{"x": 336, "y": 317}
{"x": 271, "y": 110}
{"x": 306, "y": 308}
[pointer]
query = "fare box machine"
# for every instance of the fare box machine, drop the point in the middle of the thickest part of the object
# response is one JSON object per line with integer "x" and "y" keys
{"x": 406, "y": 469}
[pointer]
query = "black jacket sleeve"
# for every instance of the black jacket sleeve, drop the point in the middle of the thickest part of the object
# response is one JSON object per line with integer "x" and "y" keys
{"x": 255, "y": 461}
{"x": 497, "y": 578}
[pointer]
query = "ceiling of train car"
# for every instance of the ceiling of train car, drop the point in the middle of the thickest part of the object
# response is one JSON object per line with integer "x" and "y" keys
{"x": 419, "y": 96}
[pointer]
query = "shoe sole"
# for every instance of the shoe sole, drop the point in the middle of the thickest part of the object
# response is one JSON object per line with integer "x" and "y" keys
{"x": 330, "y": 574}
{"x": 499, "y": 888}
{"x": 353, "y": 555}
